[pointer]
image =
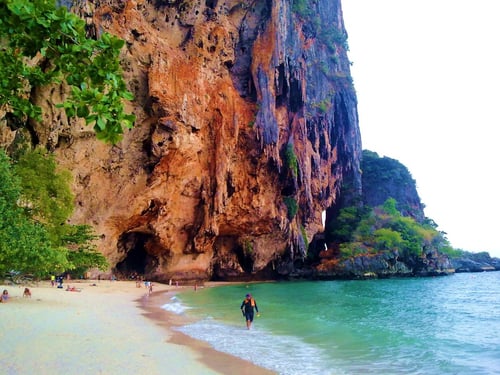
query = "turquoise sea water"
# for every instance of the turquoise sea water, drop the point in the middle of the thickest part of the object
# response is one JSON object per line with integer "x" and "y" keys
{"x": 445, "y": 325}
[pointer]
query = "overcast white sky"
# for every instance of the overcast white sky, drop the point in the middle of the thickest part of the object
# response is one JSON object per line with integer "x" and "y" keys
{"x": 427, "y": 77}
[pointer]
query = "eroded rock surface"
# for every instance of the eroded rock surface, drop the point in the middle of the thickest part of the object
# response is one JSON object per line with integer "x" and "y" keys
{"x": 246, "y": 126}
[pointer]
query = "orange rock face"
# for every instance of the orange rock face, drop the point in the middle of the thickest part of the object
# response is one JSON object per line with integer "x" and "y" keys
{"x": 246, "y": 128}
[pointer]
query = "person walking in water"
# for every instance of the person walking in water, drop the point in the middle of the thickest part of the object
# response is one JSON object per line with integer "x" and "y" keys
{"x": 247, "y": 308}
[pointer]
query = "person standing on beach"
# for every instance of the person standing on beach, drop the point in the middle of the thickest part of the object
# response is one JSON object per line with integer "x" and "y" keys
{"x": 247, "y": 308}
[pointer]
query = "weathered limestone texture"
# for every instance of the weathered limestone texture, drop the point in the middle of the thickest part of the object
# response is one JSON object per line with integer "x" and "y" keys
{"x": 246, "y": 127}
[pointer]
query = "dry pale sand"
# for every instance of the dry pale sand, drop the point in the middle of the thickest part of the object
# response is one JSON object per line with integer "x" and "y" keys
{"x": 111, "y": 328}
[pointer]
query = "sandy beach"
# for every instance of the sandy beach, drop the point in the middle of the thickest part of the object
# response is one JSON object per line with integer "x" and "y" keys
{"x": 105, "y": 328}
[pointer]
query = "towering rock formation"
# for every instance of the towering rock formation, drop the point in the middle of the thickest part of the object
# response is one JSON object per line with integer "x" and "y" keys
{"x": 246, "y": 127}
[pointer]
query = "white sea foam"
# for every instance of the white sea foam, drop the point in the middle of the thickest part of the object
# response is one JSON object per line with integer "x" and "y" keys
{"x": 175, "y": 306}
{"x": 283, "y": 354}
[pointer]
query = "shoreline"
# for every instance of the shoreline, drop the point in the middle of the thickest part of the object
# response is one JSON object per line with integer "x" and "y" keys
{"x": 222, "y": 363}
{"x": 108, "y": 327}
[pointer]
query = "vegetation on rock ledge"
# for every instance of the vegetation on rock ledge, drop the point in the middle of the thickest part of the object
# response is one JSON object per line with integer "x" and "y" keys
{"x": 383, "y": 228}
{"x": 388, "y": 217}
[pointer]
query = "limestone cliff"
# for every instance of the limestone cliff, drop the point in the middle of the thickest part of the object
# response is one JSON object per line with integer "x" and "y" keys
{"x": 246, "y": 126}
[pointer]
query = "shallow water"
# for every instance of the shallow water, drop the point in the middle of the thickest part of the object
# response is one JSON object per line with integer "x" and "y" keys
{"x": 445, "y": 325}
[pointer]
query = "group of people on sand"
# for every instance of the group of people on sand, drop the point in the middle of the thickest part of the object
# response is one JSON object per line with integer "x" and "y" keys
{"x": 147, "y": 284}
{"x": 4, "y": 297}
{"x": 248, "y": 306}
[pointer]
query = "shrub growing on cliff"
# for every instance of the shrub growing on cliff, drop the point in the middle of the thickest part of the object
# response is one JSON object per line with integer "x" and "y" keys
{"x": 292, "y": 207}
{"x": 383, "y": 229}
{"x": 302, "y": 8}
{"x": 42, "y": 45}
{"x": 387, "y": 239}
{"x": 345, "y": 224}
{"x": 247, "y": 247}
{"x": 304, "y": 236}
{"x": 291, "y": 160}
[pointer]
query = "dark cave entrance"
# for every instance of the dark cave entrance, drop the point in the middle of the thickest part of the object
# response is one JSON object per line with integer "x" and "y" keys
{"x": 244, "y": 259}
{"x": 137, "y": 260}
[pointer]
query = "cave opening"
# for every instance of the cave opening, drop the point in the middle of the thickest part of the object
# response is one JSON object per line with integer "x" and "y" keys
{"x": 281, "y": 86}
{"x": 296, "y": 101}
{"x": 137, "y": 261}
{"x": 211, "y": 3}
{"x": 244, "y": 255}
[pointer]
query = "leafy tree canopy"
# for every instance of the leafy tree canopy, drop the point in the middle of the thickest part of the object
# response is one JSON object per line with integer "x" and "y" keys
{"x": 343, "y": 227}
{"x": 24, "y": 244}
{"x": 41, "y": 44}
{"x": 45, "y": 191}
{"x": 83, "y": 253}
{"x": 35, "y": 203}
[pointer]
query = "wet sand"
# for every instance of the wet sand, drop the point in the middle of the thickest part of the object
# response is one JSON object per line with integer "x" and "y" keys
{"x": 221, "y": 362}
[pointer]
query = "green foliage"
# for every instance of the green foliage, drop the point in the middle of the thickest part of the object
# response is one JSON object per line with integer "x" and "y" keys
{"x": 83, "y": 253}
{"x": 29, "y": 250}
{"x": 25, "y": 246}
{"x": 366, "y": 226}
{"x": 42, "y": 44}
{"x": 292, "y": 206}
{"x": 343, "y": 227}
{"x": 383, "y": 229}
{"x": 9, "y": 186}
{"x": 350, "y": 249}
{"x": 35, "y": 203}
{"x": 387, "y": 239}
{"x": 45, "y": 191}
{"x": 385, "y": 177}
{"x": 291, "y": 160}
{"x": 332, "y": 36}
{"x": 247, "y": 247}
{"x": 377, "y": 168}
{"x": 304, "y": 236}
{"x": 325, "y": 105}
{"x": 452, "y": 253}
{"x": 302, "y": 8}
{"x": 390, "y": 208}
{"x": 413, "y": 234}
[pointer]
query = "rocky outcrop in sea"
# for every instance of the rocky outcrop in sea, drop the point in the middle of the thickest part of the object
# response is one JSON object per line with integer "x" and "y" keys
{"x": 475, "y": 262}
